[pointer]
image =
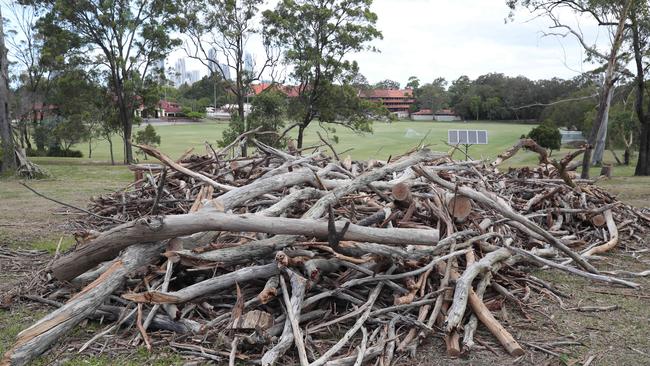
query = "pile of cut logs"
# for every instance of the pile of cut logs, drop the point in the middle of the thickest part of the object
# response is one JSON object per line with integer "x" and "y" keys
{"x": 286, "y": 258}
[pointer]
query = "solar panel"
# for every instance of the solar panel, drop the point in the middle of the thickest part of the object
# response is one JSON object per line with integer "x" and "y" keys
{"x": 452, "y": 137}
{"x": 467, "y": 137}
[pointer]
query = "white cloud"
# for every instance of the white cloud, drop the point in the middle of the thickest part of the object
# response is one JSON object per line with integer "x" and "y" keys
{"x": 449, "y": 38}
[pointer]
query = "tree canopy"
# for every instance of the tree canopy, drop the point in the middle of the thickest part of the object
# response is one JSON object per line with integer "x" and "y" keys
{"x": 315, "y": 37}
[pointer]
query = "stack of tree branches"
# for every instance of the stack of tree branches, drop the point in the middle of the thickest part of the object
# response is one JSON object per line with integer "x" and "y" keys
{"x": 283, "y": 258}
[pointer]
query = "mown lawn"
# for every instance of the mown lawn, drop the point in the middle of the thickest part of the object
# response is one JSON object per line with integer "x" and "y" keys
{"x": 387, "y": 139}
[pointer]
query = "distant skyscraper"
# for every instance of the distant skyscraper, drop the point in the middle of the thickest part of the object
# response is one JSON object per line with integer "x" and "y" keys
{"x": 248, "y": 62}
{"x": 226, "y": 71}
{"x": 181, "y": 72}
{"x": 212, "y": 60}
{"x": 193, "y": 76}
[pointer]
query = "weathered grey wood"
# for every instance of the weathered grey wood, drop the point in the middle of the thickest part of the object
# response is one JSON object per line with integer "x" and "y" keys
{"x": 492, "y": 200}
{"x": 174, "y": 165}
{"x": 259, "y": 187}
{"x": 298, "y": 287}
{"x": 205, "y": 288}
{"x": 153, "y": 229}
{"x": 464, "y": 285}
{"x": 290, "y": 200}
{"x": 36, "y": 339}
{"x": 530, "y": 257}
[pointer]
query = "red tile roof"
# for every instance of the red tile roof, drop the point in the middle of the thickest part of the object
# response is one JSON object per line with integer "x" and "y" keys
{"x": 446, "y": 112}
{"x": 290, "y": 91}
{"x": 170, "y": 107}
{"x": 423, "y": 112}
{"x": 387, "y": 93}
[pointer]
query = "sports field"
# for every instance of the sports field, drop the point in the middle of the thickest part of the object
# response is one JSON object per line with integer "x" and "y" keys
{"x": 386, "y": 139}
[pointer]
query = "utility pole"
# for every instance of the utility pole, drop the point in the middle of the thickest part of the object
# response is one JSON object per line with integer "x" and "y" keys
{"x": 8, "y": 157}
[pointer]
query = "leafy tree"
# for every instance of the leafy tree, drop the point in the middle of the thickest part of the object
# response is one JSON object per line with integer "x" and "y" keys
{"x": 223, "y": 28}
{"x": 475, "y": 105}
{"x": 610, "y": 14}
{"x": 432, "y": 95}
{"x": 147, "y": 136}
{"x": 316, "y": 37}
{"x": 26, "y": 46}
{"x": 387, "y": 84}
{"x": 8, "y": 162}
{"x": 624, "y": 128}
{"x": 69, "y": 131}
{"x": 127, "y": 35}
{"x": 268, "y": 112}
{"x": 413, "y": 82}
{"x": 492, "y": 107}
{"x": 546, "y": 136}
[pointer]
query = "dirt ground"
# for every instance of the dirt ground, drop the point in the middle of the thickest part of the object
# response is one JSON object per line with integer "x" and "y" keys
{"x": 551, "y": 328}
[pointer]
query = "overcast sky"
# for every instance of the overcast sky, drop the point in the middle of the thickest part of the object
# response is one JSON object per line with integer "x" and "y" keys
{"x": 450, "y": 38}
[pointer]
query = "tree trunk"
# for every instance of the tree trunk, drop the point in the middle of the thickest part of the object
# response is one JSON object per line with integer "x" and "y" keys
{"x": 599, "y": 145}
{"x": 605, "y": 97}
{"x": 643, "y": 164}
{"x": 8, "y": 158}
{"x": 110, "y": 148}
{"x": 301, "y": 132}
{"x": 90, "y": 148}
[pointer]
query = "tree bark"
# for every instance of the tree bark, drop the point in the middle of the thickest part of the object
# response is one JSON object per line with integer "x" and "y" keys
{"x": 643, "y": 164}
{"x": 110, "y": 148}
{"x": 8, "y": 158}
{"x": 603, "y": 108}
{"x": 151, "y": 229}
{"x": 301, "y": 132}
{"x": 601, "y": 138}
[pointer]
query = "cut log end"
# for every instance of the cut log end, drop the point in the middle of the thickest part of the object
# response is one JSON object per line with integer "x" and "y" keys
{"x": 402, "y": 194}
{"x": 598, "y": 220}
{"x": 459, "y": 207}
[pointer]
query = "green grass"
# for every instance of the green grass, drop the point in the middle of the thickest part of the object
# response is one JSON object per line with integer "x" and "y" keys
{"x": 386, "y": 139}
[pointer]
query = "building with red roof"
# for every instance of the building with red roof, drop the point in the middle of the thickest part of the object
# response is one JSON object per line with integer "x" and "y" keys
{"x": 443, "y": 115}
{"x": 290, "y": 91}
{"x": 397, "y": 101}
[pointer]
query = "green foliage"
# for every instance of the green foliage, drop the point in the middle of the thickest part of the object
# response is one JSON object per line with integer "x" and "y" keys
{"x": 576, "y": 114}
{"x": 413, "y": 82}
{"x": 57, "y": 151}
{"x": 59, "y": 134}
{"x": 315, "y": 37}
{"x": 195, "y": 115}
{"x": 121, "y": 35}
{"x": 432, "y": 95}
{"x": 387, "y": 84}
{"x": 269, "y": 110}
{"x": 147, "y": 136}
{"x": 546, "y": 136}
{"x": 495, "y": 96}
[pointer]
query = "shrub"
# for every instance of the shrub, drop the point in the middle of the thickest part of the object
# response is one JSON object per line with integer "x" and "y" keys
{"x": 57, "y": 151}
{"x": 148, "y": 136}
{"x": 35, "y": 152}
{"x": 546, "y": 136}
